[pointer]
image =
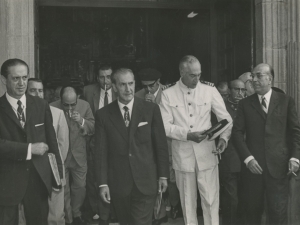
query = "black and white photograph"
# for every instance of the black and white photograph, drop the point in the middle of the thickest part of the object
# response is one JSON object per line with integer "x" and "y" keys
{"x": 149, "y": 112}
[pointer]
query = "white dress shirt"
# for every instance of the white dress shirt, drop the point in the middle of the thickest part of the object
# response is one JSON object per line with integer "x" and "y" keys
{"x": 267, "y": 100}
{"x": 13, "y": 102}
{"x": 102, "y": 96}
{"x": 129, "y": 106}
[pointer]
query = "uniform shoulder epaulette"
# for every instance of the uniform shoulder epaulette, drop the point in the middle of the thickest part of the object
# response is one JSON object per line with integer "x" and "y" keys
{"x": 167, "y": 86}
{"x": 207, "y": 83}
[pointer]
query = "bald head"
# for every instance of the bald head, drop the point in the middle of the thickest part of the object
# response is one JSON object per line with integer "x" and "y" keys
{"x": 68, "y": 98}
{"x": 247, "y": 79}
{"x": 237, "y": 90}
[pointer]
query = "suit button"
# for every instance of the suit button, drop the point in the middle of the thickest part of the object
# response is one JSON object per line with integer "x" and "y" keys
{"x": 191, "y": 126}
{"x": 191, "y": 115}
{"x": 130, "y": 154}
{"x": 189, "y": 103}
{"x": 188, "y": 93}
{"x": 27, "y": 169}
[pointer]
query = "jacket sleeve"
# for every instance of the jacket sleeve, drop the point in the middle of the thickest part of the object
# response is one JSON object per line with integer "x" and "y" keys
{"x": 159, "y": 140}
{"x": 88, "y": 127}
{"x": 101, "y": 149}
{"x": 293, "y": 129}
{"x": 219, "y": 109}
{"x": 238, "y": 131}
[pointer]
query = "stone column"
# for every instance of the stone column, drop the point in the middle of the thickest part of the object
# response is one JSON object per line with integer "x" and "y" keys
{"x": 271, "y": 37}
{"x": 17, "y": 27}
{"x": 293, "y": 51}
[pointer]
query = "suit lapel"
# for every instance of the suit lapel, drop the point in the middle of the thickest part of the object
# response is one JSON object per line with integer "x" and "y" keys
{"x": 29, "y": 109}
{"x": 96, "y": 97}
{"x": 256, "y": 104}
{"x": 117, "y": 119}
{"x": 135, "y": 117}
{"x": 6, "y": 107}
{"x": 273, "y": 102}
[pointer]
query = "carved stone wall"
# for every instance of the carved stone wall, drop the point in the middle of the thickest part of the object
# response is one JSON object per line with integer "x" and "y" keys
{"x": 293, "y": 51}
{"x": 271, "y": 37}
{"x": 17, "y": 26}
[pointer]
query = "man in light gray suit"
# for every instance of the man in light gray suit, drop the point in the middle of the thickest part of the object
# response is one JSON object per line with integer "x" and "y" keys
{"x": 81, "y": 122}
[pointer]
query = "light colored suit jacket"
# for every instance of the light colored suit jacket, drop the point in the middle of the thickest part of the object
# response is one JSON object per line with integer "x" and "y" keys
{"x": 189, "y": 110}
{"x": 78, "y": 134}
{"x": 91, "y": 94}
{"x": 62, "y": 134}
{"x": 141, "y": 94}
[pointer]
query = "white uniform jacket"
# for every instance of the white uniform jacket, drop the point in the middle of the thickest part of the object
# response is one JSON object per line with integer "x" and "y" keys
{"x": 188, "y": 110}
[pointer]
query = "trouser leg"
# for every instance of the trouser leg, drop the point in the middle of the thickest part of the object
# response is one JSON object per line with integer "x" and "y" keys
{"x": 229, "y": 197}
{"x": 78, "y": 189}
{"x": 67, "y": 198}
{"x": 187, "y": 185}
{"x": 56, "y": 208}
{"x": 208, "y": 184}
{"x": 9, "y": 215}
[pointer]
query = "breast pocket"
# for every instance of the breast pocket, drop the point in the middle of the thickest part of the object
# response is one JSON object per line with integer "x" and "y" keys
{"x": 143, "y": 134}
{"x": 178, "y": 108}
{"x": 203, "y": 108}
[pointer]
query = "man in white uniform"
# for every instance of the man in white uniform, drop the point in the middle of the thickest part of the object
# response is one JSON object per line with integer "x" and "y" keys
{"x": 186, "y": 110}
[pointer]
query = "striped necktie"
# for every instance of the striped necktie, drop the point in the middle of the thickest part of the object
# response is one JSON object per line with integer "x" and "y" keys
{"x": 264, "y": 105}
{"x": 21, "y": 115}
{"x": 126, "y": 116}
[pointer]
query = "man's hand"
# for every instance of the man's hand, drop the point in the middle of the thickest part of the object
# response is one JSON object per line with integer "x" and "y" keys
{"x": 221, "y": 147}
{"x": 196, "y": 136}
{"x": 254, "y": 167}
{"x": 293, "y": 167}
{"x": 105, "y": 194}
{"x": 76, "y": 117}
{"x": 162, "y": 185}
{"x": 39, "y": 148}
{"x": 150, "y": 97}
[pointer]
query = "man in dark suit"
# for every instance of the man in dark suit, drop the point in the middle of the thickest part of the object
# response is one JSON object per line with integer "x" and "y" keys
{"x": 131, "y": 153}
{"x": 98, "y": 95}
{"x": 271, "y": 150}
{"x": 101, "y": 93}
{"x": 26, "y": 134}
{"x": 230, "y": 164}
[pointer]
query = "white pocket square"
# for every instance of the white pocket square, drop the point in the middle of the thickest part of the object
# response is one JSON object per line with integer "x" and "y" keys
{"x": 37, "y": 125}
{"x": 142, "y": 124}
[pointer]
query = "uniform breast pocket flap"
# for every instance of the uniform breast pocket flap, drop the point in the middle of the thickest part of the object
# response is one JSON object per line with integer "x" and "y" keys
{"x": 202, "y": 108}
{"x": 177, "y": 106}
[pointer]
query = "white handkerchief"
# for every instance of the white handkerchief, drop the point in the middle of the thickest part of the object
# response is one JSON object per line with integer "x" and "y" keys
{"x": 37, "y": 125}
{"x": 142, "y": 124}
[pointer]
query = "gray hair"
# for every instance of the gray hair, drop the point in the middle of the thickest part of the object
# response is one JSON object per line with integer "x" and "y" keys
{"x": 120, "y": 71}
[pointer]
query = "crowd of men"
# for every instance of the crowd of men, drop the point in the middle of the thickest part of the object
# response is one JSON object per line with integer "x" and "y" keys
{"x": 118, "y": 151}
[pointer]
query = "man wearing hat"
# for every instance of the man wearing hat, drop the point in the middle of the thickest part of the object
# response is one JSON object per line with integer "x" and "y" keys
{"x": 151, "y": 86}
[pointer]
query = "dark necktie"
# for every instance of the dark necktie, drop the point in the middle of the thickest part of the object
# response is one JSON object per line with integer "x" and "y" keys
{"x": 21, "y": 115}
{"x": 126, "y": 116}
{"x": 264, "y": 105}
{"x": 105, "y": 99}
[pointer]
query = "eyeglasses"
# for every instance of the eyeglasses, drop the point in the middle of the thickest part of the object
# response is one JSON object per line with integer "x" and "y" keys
{"x": 68, "y": 105}
{"x": 258, "y": 75}
{"x": 240, "y": 89}
{"x": 149, "y": 85}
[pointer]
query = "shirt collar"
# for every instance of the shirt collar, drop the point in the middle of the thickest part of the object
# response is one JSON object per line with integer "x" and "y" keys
{"x": 14, "y": 102}
{"x": 267, "y": 95}
{"x": 155, "y": 94}
{"x": 129, "y": 105}
{"x": 185, "y": 89}
{"x": 108, "y": 92}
